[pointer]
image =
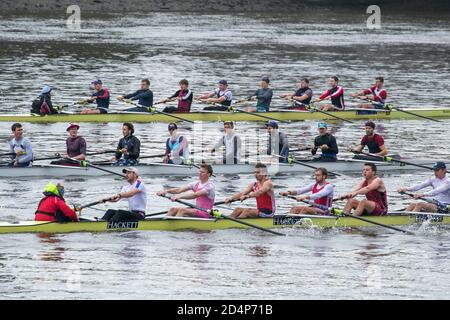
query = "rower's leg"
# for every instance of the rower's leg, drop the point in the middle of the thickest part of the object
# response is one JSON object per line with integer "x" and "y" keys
{"x": 366, "y": 106}
{"x": 412, "y": 207}
{"x": 236, "y": 213}
{"x": 186, "y": 212}
{"x": 364, "y": 206}
{"x": 172, "y": 212}
{"x": 250, "y": 109}
{"x": 351, "y": 204}
{"x": 426, "y": 207}
{"x": 249, "y": 213}
{"x": 297, "y": 210}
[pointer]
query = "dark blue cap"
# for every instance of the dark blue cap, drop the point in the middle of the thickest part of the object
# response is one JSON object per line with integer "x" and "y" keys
{"x": 265, "y": 79}
{"x": 224, "y": 82}
{"x": 98, "y": 81}
{"x": 172, "y": 126}
{"x": 272, "y": 123}
{"x": 439, "y": 165}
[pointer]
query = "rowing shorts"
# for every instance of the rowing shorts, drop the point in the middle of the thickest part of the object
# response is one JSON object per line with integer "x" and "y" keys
{"x": 265, "y": 213}
{"x": 338, "y": 107}
{"x": 443, "y": 208}
{"x": 378, "y": 105}
{"x": 378, "y": 211}
{"x": 202, "y": 214}
{"x": 102, "y": 111}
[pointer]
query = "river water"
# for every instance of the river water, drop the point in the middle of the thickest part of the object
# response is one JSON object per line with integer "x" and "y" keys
{"x": 410, "y": 52}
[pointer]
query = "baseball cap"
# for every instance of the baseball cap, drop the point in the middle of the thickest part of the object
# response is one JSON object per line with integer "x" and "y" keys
{"x": 322, "y": 125}
{"x": 370, "y": 124}
{"x": 130, "y": 169}
{"x": 266, "y": 79}
{"x": 224, "y": 82}
{"x": 439, "y": 165}
{"x": 46, "y": 89}
{"x": 272, "y": 123}
{"x": 172, "y": 126}
{"x": 98, "y": 81}
{"x": 72, "y": 125}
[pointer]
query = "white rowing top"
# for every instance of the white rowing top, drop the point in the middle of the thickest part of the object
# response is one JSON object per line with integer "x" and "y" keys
{"x": 440, "y": 192}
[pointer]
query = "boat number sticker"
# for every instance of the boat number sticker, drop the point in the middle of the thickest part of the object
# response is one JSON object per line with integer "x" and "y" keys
{"x": 286, "y": 221}
{"x": 422, "y": 218}
{"x": 122, "y": 225}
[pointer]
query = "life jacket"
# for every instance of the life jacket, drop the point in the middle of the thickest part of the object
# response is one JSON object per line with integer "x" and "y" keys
{"x": 59, "y": 216}
{"x": 226, "y": 102}
{"x": 327, "y": 201}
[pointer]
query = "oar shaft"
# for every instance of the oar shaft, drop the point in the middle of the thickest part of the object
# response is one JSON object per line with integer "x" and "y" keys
{"x": 97, "y": 167}
{"x": 311, "y": 106}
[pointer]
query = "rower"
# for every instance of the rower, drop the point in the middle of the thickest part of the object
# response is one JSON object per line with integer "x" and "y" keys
{"x": 263, "y": 97}
{"x": 177, "y": 147}
{"x": 143, "y": 95}
{"x": 42, "y": 105}
{"x": 128, "y": 148}
{"x": 101, "y": 97}
{"x": 336, "y": 94}
{"x": 222, "y": 96}
{"x": 301, "y": 97}
{"x": 277, "y": 143}
{"x": 440, "y": 193}
{"x": 374, "y": 189}
{"x": 53, "y": 206}
{"x": 326, "y": 142}
{"x": 76, "y": 147}
{"x": 321, "y": 193}
{"x": 379, "y": 95}
{"x": 201, "y": 190}
{"x": 184, "y": 96}
{"x": 373, "y": 141}
{"x": 231, "y": 144}
{"x": 20, "y": 148}
{"x": 136, "y": 195}
{"x": 262, "y": 190}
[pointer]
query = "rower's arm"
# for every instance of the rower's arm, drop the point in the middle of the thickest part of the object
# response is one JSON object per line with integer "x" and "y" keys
{"x": 383, "y": 151}
{"x": 420, "y": 186}
{"x": 359, "y": 148}
{"x": 207, "y": 96}
{"x": 194, "y": 195}
{"x": 325, "y": 192}
{"x": 247, "y": 190}
{"x": 442, "y": 189}
{"x": 374, "y": 185}
{"x": 305, "y": 189}
{"x": 266, "y": 187}
{"x": 28, "y": 152}
{"x": 129, "y": 194}
{"x": 301, "y": 98}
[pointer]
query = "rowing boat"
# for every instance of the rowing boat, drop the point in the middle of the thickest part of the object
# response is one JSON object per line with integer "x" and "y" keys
{"x": 177, "y": 223}
{"x": 160, "y": 169}
{"x": 288, "y": 115}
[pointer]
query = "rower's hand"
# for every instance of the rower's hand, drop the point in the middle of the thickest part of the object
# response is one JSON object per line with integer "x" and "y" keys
{"x": 324, "y": 147}
{"x": 228, "y": 200}
{"x": 285, "y": 193}
{"x": 114, "y": 198}
{"x": 93, "y": 98}
{"x": 124, "y": 150}
{"x": 244, "y": 197}
{"x": 302, "y": 198}
{"x": 354, "y": 95}
{"x": 350, "y": 148}
{"x": 20, "y": 152}
{"x": 350, "y": 195}
{"x": 66, "y": 156}
{"x": 418, "y": 195}
{"x": 120, "y": 98}
{"x": 401, "y": 190}
{"x": 161, "y": 193}
{"x": 174, "y": 198}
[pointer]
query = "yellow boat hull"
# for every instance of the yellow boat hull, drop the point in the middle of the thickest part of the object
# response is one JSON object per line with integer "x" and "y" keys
{"x": 222, "y": 116}
{"x": 176, "y": 224}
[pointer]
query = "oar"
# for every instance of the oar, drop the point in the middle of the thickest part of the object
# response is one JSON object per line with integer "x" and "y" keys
{"x": 421, "y": 198}
{"x": 85, "y": 163}
{"x": 217, "y": 214}
{"x": 391, "y": 159}
{"x": 311, "y": 106}
{"x": 7, "y": 154}
{"x": 153, "y": 156}
{"x": 153, "y": 110}
{"x": 164, "y": 212}
{"x": 101, "y": 152}
{"x": 414, "y": 213}
{"x": 255, "y": 114}
{"x": 339, "y": 212}
{"x": 94, "y": 203}
{"x": 292, "y": 160}
{"x": 56, "y": 156}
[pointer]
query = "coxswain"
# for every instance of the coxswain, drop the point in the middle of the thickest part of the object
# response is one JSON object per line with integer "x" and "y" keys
{"x": 263, "y": 97}
{"x": 377, "y": 95}
{"x": 373, "y": 187}
{"x": 184, "y": 96}
{"x": 231, "y": 144}
{"x": 301, "y": 98}
{"x": 101, "y": 97}
{"x": 42, "y": 105}
{"x": 277, "y": 142}
{"x": 326, "y": 142}
{"x": 221, "y": 97}
{"x": 336, "y": 94}
{"x": 440, "y": 193}
{"x": 76, "y": 147}
{"x": 53, "y": 206}
{"x": 144, "y": 96}
{"x": 136, "y": 195}
{"x": 20, "y": 148}
{"x": 262, "y": 190}
{"x": 129, "y": 147}
{"x": 373, "y": 141}
{"x": 201, "y": 190}
{"x": 321, "y": 194}
{"x": 177, "y": 147}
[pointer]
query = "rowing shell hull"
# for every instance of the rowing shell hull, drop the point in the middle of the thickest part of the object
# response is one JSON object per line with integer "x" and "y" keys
{"x": 222, "y": 116}
{"x": 178, "y": 224}
{"x": 159, "y": 169}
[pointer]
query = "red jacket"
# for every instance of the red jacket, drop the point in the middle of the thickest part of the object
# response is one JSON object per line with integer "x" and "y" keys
{"x": 50, "y": 206}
